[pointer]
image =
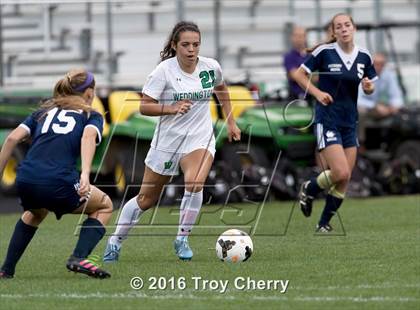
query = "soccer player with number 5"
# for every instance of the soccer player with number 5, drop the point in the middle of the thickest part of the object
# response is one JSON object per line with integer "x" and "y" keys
{"x": 178, "y": 91}
{"x": 64, "y": 128}
{"x": 342, "y": 66}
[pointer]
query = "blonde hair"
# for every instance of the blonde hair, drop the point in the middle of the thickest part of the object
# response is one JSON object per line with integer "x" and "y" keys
{"x": 330, "y": 27}
{"x": 68, "y": 91}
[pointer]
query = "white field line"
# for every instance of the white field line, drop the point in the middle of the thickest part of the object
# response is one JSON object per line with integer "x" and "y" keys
{"x": 140, "y": 295}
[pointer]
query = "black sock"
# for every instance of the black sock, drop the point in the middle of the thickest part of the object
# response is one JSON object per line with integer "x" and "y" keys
{"x": 331, "y": 206}
{"x": 91, "y": 233}
{"x": 313, "y": 188}
{"x": 20, "y": 239}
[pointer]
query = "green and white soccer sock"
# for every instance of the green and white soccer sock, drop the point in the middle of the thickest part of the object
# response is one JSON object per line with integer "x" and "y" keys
{"x": 129, "y": 217}
{"x": 189, "y": 210}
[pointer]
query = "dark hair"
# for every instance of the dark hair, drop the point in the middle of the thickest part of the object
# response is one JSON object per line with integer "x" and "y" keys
{"x": 168, "y": 51}
{"x": 69, "y": 90}
{"x": 330, "y": 27}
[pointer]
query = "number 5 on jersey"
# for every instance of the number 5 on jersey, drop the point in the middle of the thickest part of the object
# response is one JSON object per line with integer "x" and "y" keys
{"x": 360, "y": 70}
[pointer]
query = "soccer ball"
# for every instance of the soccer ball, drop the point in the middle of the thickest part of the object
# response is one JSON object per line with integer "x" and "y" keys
{"x": 234, "y": 246}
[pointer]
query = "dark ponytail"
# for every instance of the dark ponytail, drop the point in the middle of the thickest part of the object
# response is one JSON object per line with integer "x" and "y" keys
{"x": 168, "y": 51}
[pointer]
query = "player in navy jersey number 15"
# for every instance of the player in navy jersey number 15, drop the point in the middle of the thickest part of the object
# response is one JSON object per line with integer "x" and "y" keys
{"x": 342, "y": 66}
{"x": 64, "y": 128}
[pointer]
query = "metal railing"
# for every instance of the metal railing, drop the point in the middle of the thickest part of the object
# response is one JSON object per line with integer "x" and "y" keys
{"x": 152, "y": 8}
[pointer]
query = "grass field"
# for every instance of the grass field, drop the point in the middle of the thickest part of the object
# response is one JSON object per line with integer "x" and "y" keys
{"x": 374, "y": 263}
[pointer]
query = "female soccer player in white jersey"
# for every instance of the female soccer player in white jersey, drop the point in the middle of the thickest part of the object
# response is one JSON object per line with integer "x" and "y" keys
{"x": 342, "y": 66}
{"x": 178, "y": 91}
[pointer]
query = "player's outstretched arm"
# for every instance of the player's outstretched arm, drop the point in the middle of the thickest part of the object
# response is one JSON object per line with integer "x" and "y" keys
{"x": 13, "y": 139}
{"x": 305, "y": 83}
{"x": 222, "y": 93}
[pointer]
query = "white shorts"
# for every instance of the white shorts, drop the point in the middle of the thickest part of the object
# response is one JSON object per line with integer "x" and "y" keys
{"x": 167, "y": 163}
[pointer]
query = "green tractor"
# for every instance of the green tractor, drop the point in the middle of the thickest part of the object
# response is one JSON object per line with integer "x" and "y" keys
{"x": 118, "y": 160}
{"x": 277, "y": 142}
{"x": 118, "y": 165}
{"x": 14, "y": 108}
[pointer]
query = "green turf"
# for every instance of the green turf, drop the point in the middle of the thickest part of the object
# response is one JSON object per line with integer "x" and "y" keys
{"x": 372, "y": 264}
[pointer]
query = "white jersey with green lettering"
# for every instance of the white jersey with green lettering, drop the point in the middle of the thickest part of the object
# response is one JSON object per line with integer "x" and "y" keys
{"x": 168, "y": 83}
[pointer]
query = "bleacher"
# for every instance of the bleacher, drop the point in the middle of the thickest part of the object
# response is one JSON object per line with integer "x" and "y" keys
{"x": 41, "y": 42}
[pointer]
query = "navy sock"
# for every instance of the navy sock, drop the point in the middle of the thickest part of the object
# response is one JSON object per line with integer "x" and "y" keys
{"x": 313, "y": 188}
{"x": 331, "y": 206}
{"x": 91, "y": 233}
{"x": 21, "y": 237}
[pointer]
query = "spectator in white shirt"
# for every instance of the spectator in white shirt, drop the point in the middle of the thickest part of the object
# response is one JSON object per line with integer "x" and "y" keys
{"x": 387, "y": 98}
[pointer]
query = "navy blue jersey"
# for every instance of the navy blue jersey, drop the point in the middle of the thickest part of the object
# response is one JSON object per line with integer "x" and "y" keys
{"x": 56, "y": 141}
{"x": 339, "y": 75}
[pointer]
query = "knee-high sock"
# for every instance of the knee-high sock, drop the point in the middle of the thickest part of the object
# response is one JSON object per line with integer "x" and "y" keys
{"x": 332, "y": 203}
{"x": 129, "y": 217}
{"x": 189, "y": 210}
{"x": 91, "y": 233}
{"x": 21, "y": 237}
{"x": 318, "y": 184}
